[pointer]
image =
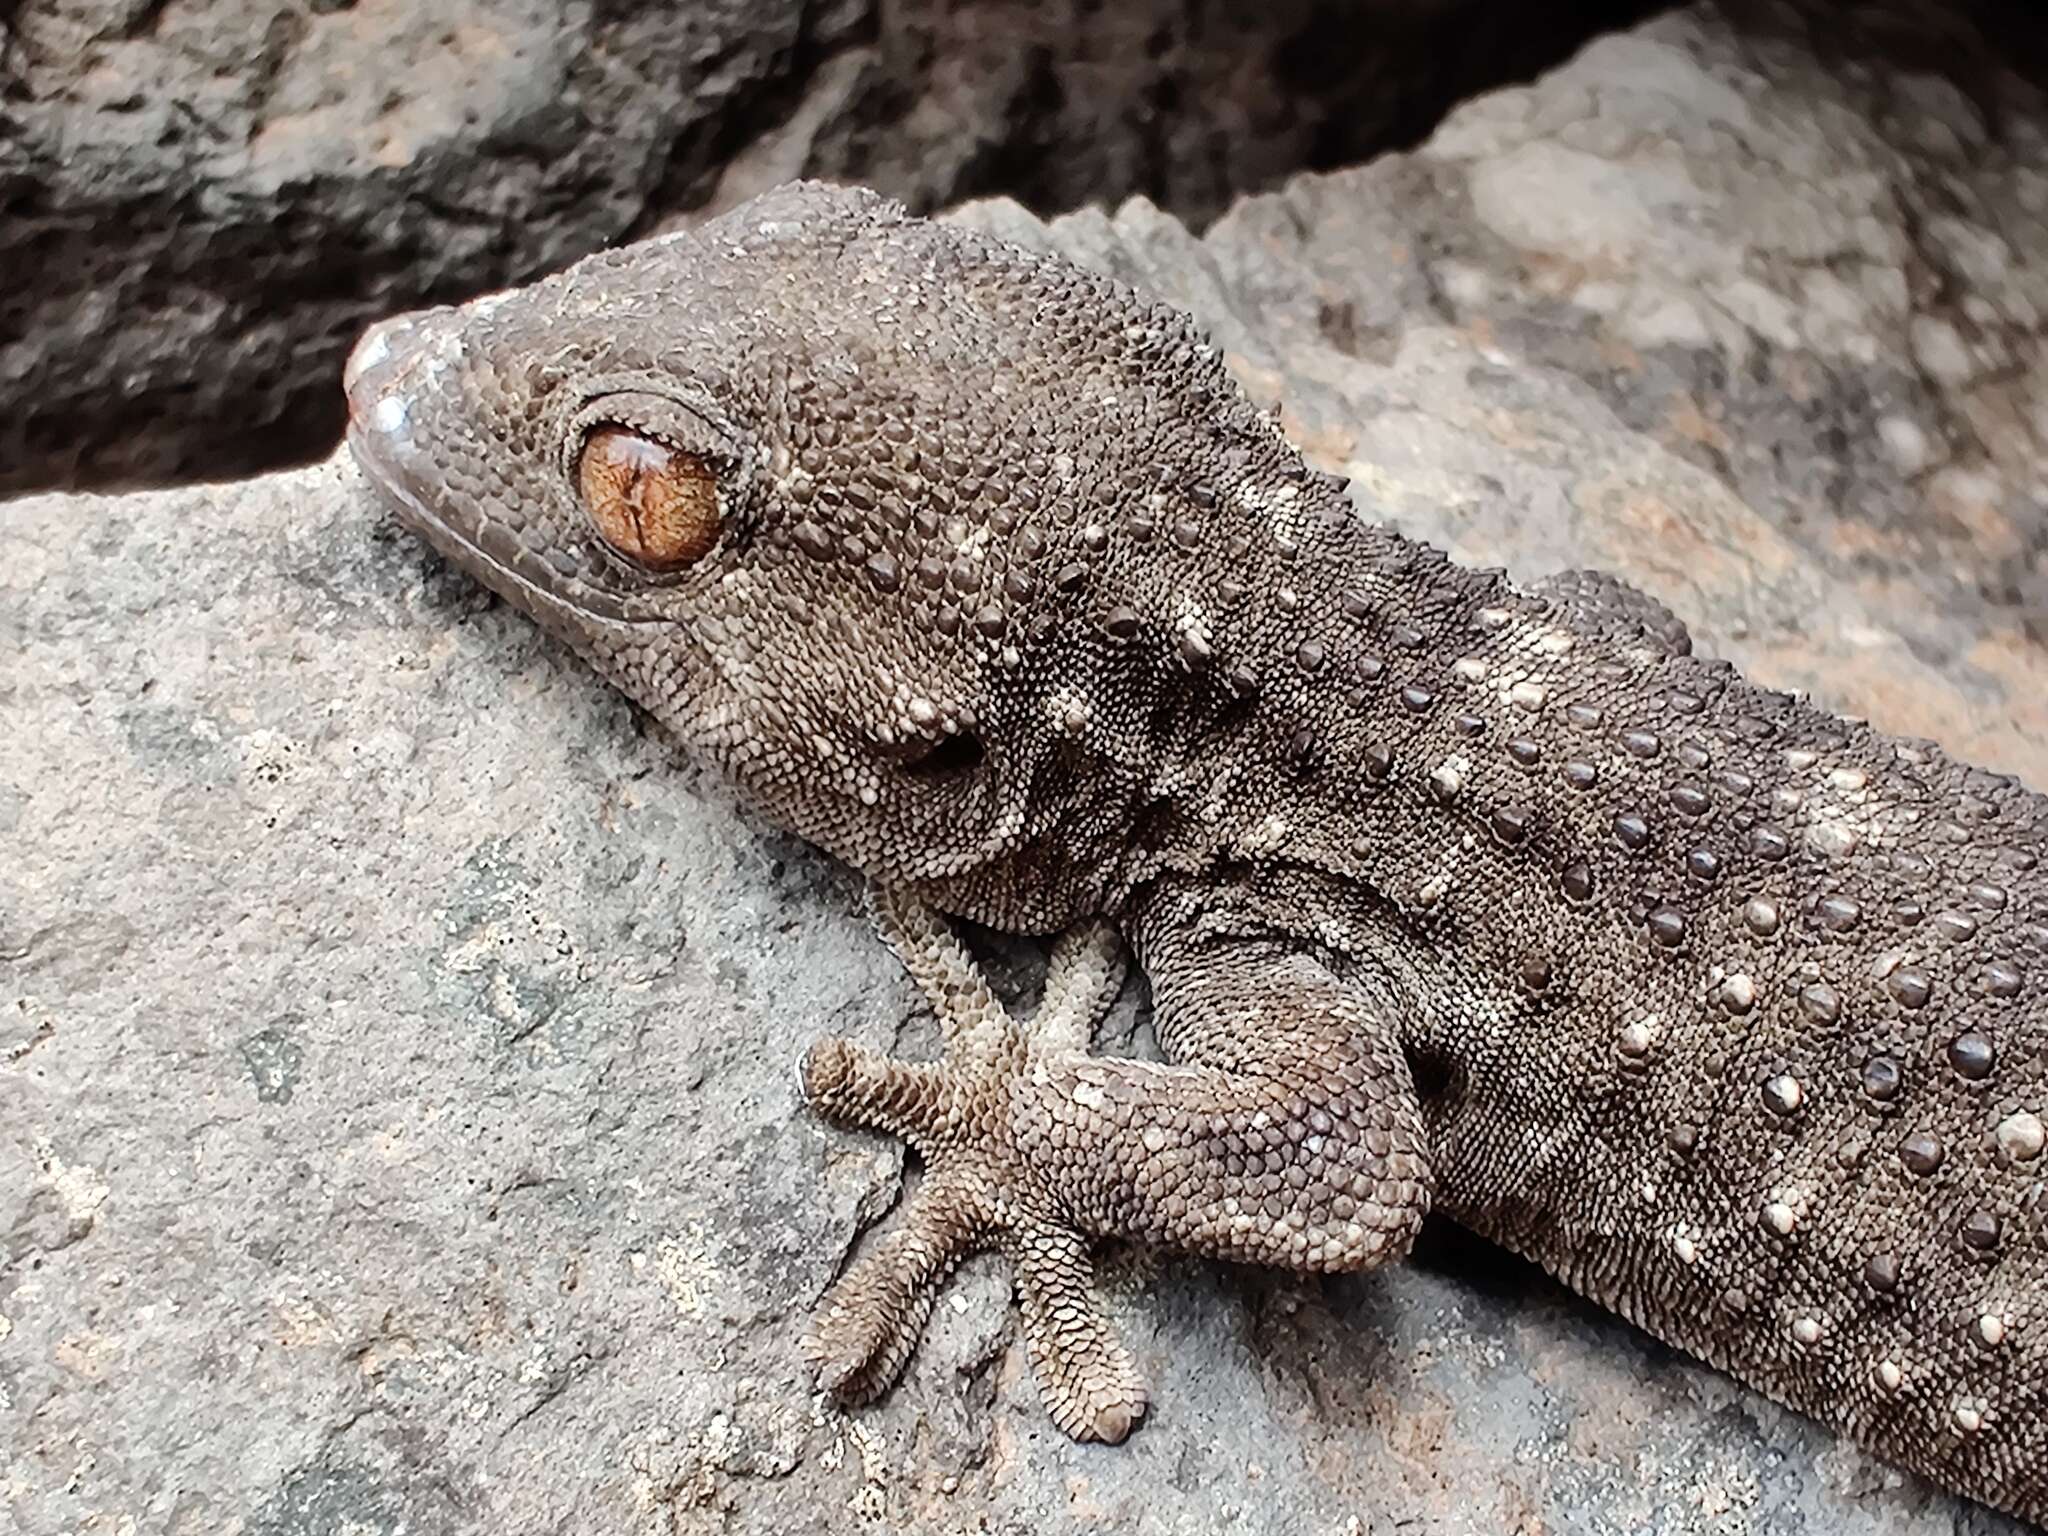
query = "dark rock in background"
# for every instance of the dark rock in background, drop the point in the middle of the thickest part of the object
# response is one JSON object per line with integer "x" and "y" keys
{"x": 202, "y": 203}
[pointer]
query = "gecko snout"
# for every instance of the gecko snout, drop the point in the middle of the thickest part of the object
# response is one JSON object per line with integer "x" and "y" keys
{"x": 393, "y": 364}
{"x": 371, "y": 361}
{"x": 388, "y": 379}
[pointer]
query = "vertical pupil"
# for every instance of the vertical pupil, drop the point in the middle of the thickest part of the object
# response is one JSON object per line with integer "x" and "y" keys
{"x": 648, "y": 501}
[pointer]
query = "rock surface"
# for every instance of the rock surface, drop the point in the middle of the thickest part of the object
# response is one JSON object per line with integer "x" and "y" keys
{"x": 203, "y": 203}
{"x": 397, "y": 1120}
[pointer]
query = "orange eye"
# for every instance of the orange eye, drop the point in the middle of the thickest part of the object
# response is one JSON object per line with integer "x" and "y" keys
{"x": 652, "y": 504}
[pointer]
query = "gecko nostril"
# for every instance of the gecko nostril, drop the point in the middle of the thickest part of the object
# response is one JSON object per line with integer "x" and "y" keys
{"x": 391, "y": 358}
{"x": 388, "y": 416}
{"x": 371, "y": 351}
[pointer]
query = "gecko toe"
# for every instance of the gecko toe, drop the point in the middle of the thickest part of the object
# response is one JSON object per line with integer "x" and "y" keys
{"x": 1090, "y": 1385}
{"x": 859, "y": 1342}
{"x": 872, "y": 1316}
{"x": 859, "y": 1088}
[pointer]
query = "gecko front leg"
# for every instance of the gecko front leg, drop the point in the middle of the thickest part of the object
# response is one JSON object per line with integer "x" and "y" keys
{"x": 980, "y": 1189}
{"x": 1283, "y": 1130}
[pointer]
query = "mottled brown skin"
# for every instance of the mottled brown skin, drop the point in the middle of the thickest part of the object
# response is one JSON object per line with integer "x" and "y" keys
{"x": 1729, "y": 1012}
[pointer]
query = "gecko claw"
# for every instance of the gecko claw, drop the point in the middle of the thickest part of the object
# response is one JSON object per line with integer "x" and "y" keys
{"x": 828, "y": 1067}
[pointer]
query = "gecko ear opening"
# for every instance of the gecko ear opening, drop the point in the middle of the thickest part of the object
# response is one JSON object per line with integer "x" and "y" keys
{"x": 652, "y": 504}
{"x": 950, "y": 755}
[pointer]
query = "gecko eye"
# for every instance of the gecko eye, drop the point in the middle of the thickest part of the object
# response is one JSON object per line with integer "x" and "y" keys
{"x": 653, "y": 504}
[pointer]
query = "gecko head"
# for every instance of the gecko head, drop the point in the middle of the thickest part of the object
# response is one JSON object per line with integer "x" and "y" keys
{"x": 801, "y": 482}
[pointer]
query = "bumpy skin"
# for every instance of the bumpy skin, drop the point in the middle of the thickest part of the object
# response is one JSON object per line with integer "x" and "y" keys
{"x": 1731, "y": 1013}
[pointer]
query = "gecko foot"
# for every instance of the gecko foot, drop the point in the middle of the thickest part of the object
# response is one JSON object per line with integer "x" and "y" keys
{"x": 965, "y": 1116}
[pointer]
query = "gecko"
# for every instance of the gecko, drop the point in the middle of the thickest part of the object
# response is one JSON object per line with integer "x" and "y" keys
{"x": 1453, "y": 893}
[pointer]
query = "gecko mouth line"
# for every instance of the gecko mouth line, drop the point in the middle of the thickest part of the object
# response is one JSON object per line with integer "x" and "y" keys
{"x": 424, "y": 516}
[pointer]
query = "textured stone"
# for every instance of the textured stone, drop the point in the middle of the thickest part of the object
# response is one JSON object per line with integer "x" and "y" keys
{"x": 397, "y": 1126}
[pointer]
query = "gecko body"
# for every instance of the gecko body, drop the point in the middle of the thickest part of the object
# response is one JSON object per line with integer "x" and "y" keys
{"x": 1453, "y": 893}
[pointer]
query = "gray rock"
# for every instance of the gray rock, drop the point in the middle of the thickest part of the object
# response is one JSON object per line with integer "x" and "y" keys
{"x": 202, "y": 204}
{"x": 397, "y": 1120}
